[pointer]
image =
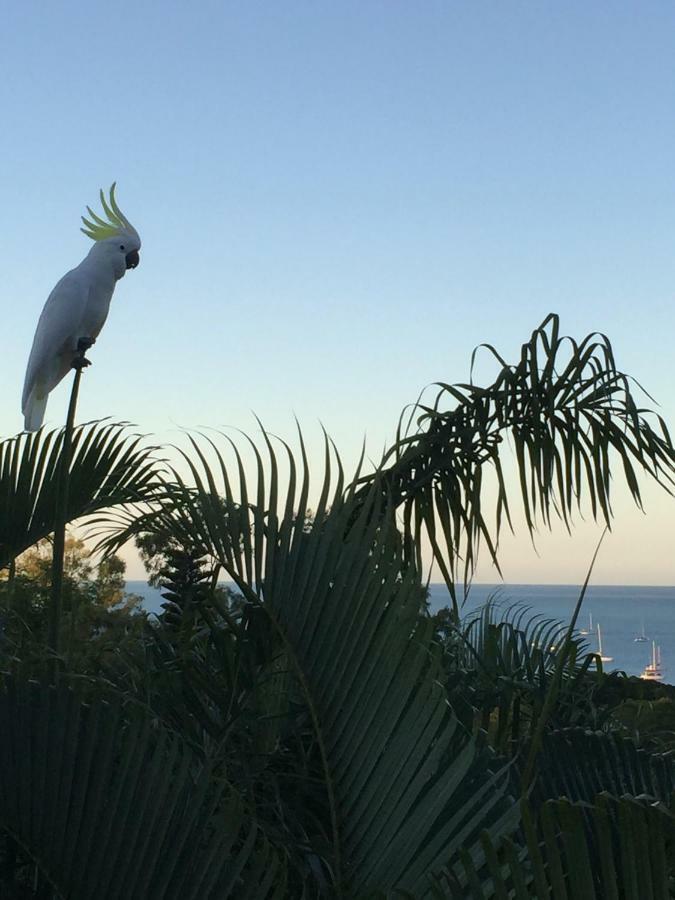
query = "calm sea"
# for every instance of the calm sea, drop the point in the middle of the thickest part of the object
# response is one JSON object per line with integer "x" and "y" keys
{"x": 621, "y": 613}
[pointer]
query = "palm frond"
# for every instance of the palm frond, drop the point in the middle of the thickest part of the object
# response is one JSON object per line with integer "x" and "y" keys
{"x": 570, "y": 416}
{"x": 502, "y": 661}
{"x": 578, "y": 764}
{"x": 109, "y": 468}
{"x": 614, "y": 847}
{"x": 404, "y": 784}
{"x": 110, "y": 806}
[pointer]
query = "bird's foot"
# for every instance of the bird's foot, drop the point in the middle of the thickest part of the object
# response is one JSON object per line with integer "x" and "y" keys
{"x": 80, "y": 361}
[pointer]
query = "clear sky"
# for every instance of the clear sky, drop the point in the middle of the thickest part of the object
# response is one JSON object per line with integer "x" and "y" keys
{"x": 338, "y": 201}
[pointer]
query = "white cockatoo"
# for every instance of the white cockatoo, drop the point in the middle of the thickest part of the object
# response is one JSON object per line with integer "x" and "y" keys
{"x": 77, "y": 308}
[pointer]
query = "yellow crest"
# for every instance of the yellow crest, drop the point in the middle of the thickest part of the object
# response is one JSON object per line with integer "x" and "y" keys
{"x": 99, "y": 229}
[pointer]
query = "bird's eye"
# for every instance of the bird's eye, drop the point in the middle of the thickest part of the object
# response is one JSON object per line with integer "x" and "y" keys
{"x": 121, "y": 246}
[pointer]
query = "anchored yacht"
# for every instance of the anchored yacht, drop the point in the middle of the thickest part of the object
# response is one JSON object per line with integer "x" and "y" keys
{"x": 600, "y": 653}
{"x": 654, "y": 672}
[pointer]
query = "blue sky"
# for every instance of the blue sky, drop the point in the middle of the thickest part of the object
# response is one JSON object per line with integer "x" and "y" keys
{"x": 338, "y": 201}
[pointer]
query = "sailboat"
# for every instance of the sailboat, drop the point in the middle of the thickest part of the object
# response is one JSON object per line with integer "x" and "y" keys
{"x": 642, "y": 637}
{"x": 588, "y": 630}
{"x": 654, "y": 672}
{"x": 603, "y": 658}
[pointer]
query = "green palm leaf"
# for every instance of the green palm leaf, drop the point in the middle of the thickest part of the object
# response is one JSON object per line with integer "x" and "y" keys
{"x": 111, "y": 806}
{"x": 613, "y": 848}
{"x": 404, "y": 785}
{"x": 503, "y": 661}
{"x": 569, "y": 415}
{"x": 578, "y": 764}
{"x": 109, "y": 469}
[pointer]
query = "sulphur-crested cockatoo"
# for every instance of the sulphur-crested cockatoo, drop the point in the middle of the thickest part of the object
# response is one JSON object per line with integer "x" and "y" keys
{"x": 77, "y": 308}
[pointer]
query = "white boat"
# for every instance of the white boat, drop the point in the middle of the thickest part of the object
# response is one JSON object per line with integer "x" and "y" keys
{"x": 653, "y": 671}
{"x": 599, "y": 653}
{"x": 642, "y": 637}
{"x": 588, "y": 630}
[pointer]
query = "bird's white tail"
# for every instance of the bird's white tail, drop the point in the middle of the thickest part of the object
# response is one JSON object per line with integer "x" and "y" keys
{"x": 34, "y": 410}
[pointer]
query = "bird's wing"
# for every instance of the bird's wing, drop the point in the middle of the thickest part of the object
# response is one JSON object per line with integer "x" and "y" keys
{"x": 56, "y": 335}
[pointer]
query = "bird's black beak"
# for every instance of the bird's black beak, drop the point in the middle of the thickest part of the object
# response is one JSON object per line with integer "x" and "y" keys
{"x": 132, "y": 259}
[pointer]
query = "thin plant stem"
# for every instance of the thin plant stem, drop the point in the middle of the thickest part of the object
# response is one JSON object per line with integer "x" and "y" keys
{"x": 60, "y": 518}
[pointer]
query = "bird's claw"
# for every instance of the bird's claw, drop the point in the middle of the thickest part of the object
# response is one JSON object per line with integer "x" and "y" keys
{"x": 80, "y": 361}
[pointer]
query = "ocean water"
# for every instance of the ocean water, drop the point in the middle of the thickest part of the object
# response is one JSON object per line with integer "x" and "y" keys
{"x": 620, "y": 611}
